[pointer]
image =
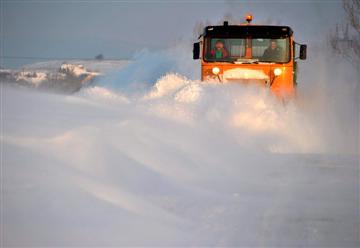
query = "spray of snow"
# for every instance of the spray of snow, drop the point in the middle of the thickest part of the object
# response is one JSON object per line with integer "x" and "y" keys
{"x": 98, "y": 93}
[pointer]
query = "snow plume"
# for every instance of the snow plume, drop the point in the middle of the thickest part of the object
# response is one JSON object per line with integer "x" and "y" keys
{"x": 329, "y": 96}
{"x": 250, "y": 115}
{"x": 148, "y": 66}
{"x": 323, "y": 118}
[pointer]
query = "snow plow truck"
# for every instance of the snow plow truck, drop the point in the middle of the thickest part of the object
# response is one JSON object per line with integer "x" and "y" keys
{"x": 258, "y": 54}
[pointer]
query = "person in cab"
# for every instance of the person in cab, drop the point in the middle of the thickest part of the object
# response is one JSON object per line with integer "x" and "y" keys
{"x": 219, "y": 51}
{"x": 272, "y": 53}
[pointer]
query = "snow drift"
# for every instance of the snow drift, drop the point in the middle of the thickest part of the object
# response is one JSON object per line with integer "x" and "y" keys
{"x": 59, "y": 76}
{"x": 149, "y": 155}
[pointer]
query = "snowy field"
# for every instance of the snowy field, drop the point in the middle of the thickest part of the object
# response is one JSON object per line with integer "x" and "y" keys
{"x": 149, "y": 155}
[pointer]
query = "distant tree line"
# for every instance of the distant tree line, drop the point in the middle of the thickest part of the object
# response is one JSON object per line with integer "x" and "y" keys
{"x": 345, "y": 38}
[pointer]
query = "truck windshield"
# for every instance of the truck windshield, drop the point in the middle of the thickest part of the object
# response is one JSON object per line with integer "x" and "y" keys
{"x": 246, "y": 50}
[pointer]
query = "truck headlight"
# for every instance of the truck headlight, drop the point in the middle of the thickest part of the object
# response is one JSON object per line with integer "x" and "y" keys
{"x": 277, "y": 72}
{"x": 215, "y": 70}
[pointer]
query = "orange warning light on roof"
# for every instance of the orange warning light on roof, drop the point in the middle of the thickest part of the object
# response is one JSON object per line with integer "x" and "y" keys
{"x": 249, "y": 18}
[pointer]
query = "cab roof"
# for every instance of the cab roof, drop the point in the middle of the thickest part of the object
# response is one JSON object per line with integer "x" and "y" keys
{"x": 255, "y": 31}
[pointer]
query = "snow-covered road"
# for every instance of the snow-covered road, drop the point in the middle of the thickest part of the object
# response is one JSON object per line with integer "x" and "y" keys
{"x": 82, "y": 172}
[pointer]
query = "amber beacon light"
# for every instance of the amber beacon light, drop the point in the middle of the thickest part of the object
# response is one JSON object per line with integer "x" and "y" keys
{"x": 249, "y": 18}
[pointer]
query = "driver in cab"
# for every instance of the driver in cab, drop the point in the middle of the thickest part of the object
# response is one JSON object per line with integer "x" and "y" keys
{"x": 219, "y": 51}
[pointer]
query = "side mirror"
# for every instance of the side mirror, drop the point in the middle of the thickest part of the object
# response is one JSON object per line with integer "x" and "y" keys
{"x": 303, "y": 49}
{"x": 196, "y": 50}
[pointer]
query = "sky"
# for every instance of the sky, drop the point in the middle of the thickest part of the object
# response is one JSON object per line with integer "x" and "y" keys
{"x": 118, "y": 29}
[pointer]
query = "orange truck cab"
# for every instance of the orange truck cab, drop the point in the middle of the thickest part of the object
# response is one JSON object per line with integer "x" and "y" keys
{"x": 257, "y": 54}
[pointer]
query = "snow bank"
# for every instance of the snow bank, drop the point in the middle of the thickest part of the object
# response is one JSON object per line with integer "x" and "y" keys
{"x": 74, "y": 70}
{"x": 35, "y": 78}
{"x": 100, "y": 66}
{"x": 57, "y": 76}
